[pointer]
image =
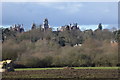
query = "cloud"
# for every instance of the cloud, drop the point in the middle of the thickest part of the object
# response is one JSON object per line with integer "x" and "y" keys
{"x": 70, "y": 7}
{"x": 59, "y": 13}
{"x": 60, "y": 0}
{"x": 93, "y": 27}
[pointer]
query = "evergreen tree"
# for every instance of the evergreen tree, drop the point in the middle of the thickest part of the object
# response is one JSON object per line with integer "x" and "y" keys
{"x": 100, "y": 26}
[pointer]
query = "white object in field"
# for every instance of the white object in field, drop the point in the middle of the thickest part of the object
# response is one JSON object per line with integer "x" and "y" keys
{"x": 77, "y": 45}
{"x": 6, "y": 65}
{"x": 2, "y": 70}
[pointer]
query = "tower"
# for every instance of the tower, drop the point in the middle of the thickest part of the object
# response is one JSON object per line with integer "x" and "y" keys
{"x": 45, "y": 23}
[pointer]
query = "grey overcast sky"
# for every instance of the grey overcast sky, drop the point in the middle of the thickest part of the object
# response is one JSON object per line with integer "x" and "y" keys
{"x": 59, "y": 13}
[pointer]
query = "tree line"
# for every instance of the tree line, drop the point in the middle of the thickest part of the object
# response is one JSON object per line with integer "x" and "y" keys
{"x": 38, "y": 48}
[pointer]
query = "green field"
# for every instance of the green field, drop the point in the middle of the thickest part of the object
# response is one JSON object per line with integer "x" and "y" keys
{"x": 60, "y": 72}
{"x": 19, "y": 69}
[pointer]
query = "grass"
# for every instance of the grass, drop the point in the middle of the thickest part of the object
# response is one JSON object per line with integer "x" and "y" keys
{"x": 96, "y": 67}
{"x": 20, "y": 69}
{"x": 36, "y": 69}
